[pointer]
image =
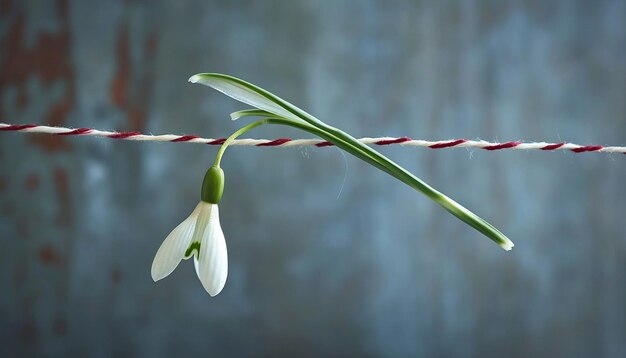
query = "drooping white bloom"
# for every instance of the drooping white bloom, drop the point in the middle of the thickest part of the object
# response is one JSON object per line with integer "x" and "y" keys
{"x": 200, "y": 236}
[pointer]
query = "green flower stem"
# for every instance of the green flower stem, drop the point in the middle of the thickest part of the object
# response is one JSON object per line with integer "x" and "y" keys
{"x": 232, "y": 137}
{"x": 350, "y": 144}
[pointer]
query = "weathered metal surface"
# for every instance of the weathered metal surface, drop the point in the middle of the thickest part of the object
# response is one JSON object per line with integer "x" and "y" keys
{"x": 317, "y": 267}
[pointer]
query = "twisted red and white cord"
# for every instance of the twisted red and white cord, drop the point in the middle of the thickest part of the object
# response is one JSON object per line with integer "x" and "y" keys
{"x": 288, "y": 142}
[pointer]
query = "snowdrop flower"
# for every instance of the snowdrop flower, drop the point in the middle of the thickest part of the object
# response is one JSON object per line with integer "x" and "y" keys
{"x": 200, "y": 236}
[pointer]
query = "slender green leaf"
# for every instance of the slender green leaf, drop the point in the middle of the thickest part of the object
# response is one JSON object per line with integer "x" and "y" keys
{"x": 249, "y": 113}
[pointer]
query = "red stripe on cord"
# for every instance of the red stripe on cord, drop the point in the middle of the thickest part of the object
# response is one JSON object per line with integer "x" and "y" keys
{"x": 588, "y": 148}
{"x": 502, "y": 146}
{"x": 219, "y": 141}
{"x": 184, "y": 138}
{"x": 393, "y": 141}
{"x": 447, "y": 144}
{"x": 18, "y": 127}
{"x": 275, "y": 142}
{"x": 553, "y": 146}
{"x": 123, "y": 135}
{"x": 77, "y": 131}
{"x": 324, "y": 144}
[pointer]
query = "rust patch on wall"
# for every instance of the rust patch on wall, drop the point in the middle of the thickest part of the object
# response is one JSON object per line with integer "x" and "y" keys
{"x": 151, "y": 45}
{"x": 22, "y": 99}
{"x": 27, "y": 330}
{"x": 49, "y": 256}
{"x": 59, "y": 327}
{"x": 5, "y": 6}
{"x": 119, "y": 86}
{"x": 49, "y": 60}
{"x": 32, "y": 182}
{"x": 22, "y": 229}
{"x": 131, "y": 87}
{"x": 116, "y": 275}
{"x": 7, "y": 210}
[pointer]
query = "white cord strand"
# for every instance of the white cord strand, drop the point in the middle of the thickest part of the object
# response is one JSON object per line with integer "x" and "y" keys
{"x": 287, "y": 142}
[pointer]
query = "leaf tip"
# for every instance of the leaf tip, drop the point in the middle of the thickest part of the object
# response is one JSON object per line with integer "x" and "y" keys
{"x": 195, "y": 78}
{"x": 507, "y": 245}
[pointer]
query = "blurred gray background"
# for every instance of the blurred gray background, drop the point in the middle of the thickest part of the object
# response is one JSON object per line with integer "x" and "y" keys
{"x": 317, "y": 267}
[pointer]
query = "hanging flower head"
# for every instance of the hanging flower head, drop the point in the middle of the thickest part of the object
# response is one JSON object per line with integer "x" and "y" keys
{"x": 200, "y": 236}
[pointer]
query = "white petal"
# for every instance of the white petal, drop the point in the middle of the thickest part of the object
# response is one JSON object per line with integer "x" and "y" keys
{"x": 173, "y": 248}
{"x": 204, "y": 215}
{"x": 212, "y": 265}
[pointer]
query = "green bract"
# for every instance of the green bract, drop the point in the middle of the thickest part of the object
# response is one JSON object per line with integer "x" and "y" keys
{"x": 278, "y": 111}
{"x": 213, "y": 185}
